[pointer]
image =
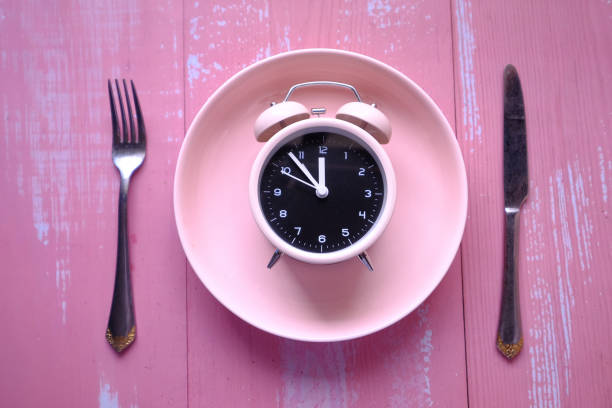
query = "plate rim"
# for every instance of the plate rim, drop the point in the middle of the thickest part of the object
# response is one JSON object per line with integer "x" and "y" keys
{"x": 431, "y": 105}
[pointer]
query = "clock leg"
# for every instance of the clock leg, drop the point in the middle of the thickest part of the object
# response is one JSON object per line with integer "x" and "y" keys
{"x": 275, "y": 257}
{"x": 363, "y": 257}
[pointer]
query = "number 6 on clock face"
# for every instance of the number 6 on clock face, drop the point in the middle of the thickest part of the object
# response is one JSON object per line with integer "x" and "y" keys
{"x": 322, "y": 190}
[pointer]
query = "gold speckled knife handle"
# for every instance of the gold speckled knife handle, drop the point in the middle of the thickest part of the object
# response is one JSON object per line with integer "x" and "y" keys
{"x": 509, "y": 333}
{"x": 120, "y": 343}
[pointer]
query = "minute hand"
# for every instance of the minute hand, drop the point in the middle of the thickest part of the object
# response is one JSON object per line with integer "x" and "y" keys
{"x": 303, "y": 169}
{"x": 298, "y": 179}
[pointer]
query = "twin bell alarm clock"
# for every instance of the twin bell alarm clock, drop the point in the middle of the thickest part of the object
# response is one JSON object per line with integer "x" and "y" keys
{"x": 322, "y": 189}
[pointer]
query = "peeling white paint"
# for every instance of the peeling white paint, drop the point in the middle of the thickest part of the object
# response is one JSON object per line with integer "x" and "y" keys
{"x": 5, "y": 119}
{"x": 106, "y": 397}
{"x": 19, "y": 180}
{"x": 426, "y": 349}
{"x": 193, "y": 27}
{"x": 287, "y": 40}
{"x": 263, "y": 52}
{"x": 602, "y": 174}
{"x": 467, "y": 45}
{"x": 219, "y": 9}
{"x": 579, "y": 202}
{"x": 384, "y": 16}
{"x": 62, "y": 283}
{"x": 377, "y": 8}
{"x": 193, "y": 68}
{"x": 545, "y": 389}
{"x": 263, "y": 13}
{"x": 564, "y": 255}
{"x": 413, "y": 390}
{"x": 314, "y": 375}
{"x": 64, "y": 307}
{"x": 40, "y": 215}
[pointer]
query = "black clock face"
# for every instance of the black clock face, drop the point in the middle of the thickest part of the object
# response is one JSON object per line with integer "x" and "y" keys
{"x": 321, "y": 192}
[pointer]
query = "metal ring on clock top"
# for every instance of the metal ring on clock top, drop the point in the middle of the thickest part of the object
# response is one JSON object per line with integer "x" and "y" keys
{"x": 365, "y": 116}
{"x": 332, "y": 83}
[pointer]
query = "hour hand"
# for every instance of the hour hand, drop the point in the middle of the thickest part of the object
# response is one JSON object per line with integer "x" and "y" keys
{"x": 321, "y": 190}
{"x": 303, "y": 169}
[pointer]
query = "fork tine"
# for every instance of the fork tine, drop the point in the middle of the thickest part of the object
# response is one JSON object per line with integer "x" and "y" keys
{"x": 142, "y": 136}
{"x": 116, "y": 138}
{"x": 123, "y": 123}
{"x": 130, "y": 116}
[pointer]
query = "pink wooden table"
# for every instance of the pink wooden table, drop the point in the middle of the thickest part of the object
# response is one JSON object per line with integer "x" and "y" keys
{"x": 59, "y": 206}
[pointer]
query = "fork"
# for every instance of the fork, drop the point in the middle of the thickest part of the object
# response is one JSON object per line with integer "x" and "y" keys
{"x": 128, "y": 153}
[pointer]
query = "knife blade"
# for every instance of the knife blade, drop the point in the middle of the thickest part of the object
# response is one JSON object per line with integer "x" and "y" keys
{"x": 516, "y": 186}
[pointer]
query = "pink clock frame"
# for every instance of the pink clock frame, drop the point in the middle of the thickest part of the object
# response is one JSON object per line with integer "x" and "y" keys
{"x": 351, "y": 131}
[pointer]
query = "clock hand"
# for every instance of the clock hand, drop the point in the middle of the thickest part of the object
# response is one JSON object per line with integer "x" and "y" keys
{"x": 322, "y": 171}
{"x": 322, "y": 190}
{"x": 304, "y": 169}
{"x": 298, "y": 179}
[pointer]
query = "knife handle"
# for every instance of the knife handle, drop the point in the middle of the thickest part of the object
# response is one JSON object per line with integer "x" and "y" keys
{"x": 509, "y": 333}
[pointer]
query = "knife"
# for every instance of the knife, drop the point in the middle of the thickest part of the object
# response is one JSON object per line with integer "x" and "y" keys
{"x": 516, "y": 185}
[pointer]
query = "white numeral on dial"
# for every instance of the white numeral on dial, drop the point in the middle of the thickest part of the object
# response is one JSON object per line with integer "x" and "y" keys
{"x": 277, "y": 192}
{"x": 368, "y": 193}
{"x": 345, "y": 232}
{"x": 322, "y": 149}
{"x": 322, "y": 238}
{"x": 361, "y": 171}
{"x": 283, "y": 213}
{"x": 362, "y": 214}
{"x": 298, "y": 229}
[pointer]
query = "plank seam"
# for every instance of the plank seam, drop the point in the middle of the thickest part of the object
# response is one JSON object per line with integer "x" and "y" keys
{"x": 461, "y": 265}
{"x": 187, "y": 374}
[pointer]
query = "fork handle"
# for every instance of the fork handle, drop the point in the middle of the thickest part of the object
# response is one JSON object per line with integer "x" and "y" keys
{"x": 509, "y": 333}
{"x": 121, "y": 330}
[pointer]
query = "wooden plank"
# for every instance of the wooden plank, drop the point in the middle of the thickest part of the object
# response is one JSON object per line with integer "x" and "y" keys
{"x": 562, "y": 52}
{"x": 419, "y": 361}
{"x": 59, "y": 205}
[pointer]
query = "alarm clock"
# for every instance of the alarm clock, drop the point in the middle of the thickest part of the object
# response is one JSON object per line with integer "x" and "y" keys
{"x": 322, "y": 189}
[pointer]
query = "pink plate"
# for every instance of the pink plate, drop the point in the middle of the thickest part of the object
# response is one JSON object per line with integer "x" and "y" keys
{"x": 323, "y": 302}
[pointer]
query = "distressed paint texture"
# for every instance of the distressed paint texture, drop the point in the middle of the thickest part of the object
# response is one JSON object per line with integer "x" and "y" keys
{"x": 59, "y": 211}
{"x": 59, "y": 206}
{"x": 412, "y": 362}
{"x": 466, "y": 46}
{"x": 565, "y": 229}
